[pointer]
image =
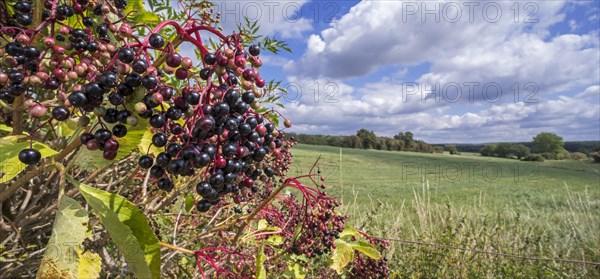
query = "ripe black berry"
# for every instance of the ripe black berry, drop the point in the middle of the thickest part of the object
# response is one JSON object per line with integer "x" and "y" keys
{"x": 193, "y": 98}
{"x": 139, "y": 66}
{"x": 88, "y": 21}
{"x": 102, "y": 135}
{"x": 254, "y": 50}
{"x": 60, "y": 113}
{"x": 163, "y": 159}
{"x": 165, "y": 184}
{"x": 85, "y": 137}
{"x": 158, "y": 120}
{"x": 159, "y": 140}
{"x": 156, "y": 41}
{"x": 30, "y": 156}
{"x": 78, "y": 99}
{"x": 119, "y": 130}
{"x": 176, "y": 166}
{"x": 126, "y": 55}
{"x": 248, "y": 97}
{"x": 210, "y": 58}
{"x": 203, "y": 206}
{"x": 156, "y": 171}
{"x": 146, "y": 161}
{"x": 149, "y": 82}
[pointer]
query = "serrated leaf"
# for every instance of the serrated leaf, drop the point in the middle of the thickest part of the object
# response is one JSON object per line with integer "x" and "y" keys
{"x": 61, "y": 259}
{"x": 342, "y": 255}
{"x": 367, "y": 249}
{"x": 128, "y": 228}
{"x": 10, "y": 166}
{"x": 90, "y": 265}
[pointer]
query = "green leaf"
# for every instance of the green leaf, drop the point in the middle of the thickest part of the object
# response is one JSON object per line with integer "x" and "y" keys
{"x": 146, "y": 142}
{"x": 137, "y": 9}
{"x": 5, "y": 128}
{"x": 342, "y": 255}
{"x": 350, "y": 231}
{"x": 61, "y": 259}
{"x": 128, "y": 228}
{"x": 264, "y": 225}
{"x": 10, "y": 166}
{"x": 273, "y": 118}
{"x": 295, "y": 270}
{"x": 90, "y": 265}
{"x": 367, "y": 249}
{"x": 189, "y": 202}
{"x": 93, "y": 159}
{"x": 275, "y": 240}
{"x": 261, "y": 272}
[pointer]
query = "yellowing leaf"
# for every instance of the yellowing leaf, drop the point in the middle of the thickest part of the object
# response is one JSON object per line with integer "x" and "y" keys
{"x": 342, "y": 255}
{"x": 5, "y": 128}
{"x": 61, "y": 259}
{"x": 350, "y": 231}
{"x": 10, "y": 166}
{"x": 367, "y": 249}
{"x": 146, "y": 142}
{"x": 295, "y": 270}
{"x": 275, "y": 240}
{"x": 90, "y": 265}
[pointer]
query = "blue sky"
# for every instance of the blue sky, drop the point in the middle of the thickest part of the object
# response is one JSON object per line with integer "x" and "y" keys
{"x": 449, "y": 71}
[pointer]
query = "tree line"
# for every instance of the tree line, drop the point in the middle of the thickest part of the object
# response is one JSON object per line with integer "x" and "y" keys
{"x": 544, "y": 146}
{"x": 366, "y": 139}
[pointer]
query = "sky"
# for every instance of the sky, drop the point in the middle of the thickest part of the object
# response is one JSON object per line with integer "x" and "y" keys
{"x": 448, "y": 71}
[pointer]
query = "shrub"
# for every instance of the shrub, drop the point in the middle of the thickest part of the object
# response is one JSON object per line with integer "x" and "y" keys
{"x": 534, "y": 158}
{"x": 596, "y": 157}
{"x": 577, "y": 156}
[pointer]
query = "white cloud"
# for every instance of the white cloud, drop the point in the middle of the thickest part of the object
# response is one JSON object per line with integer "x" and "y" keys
{"x": 506, "y": 52}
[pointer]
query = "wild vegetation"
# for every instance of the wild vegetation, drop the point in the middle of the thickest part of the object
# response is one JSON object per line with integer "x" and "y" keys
{"x": 455, "y": 216}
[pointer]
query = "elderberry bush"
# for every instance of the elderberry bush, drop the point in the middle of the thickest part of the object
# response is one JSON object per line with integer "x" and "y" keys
{"x": 85, "y": 64}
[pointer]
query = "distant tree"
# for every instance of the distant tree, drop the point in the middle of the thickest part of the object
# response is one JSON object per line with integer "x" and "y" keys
{"x": 380, "y": 144}
{"x": 390, "y": 144}
{"x": 367, "y": 138}
{"x": 438, "y": 149}
{"x": 504, "y": 150}
{"x": 452, "y": 149}
{"x": 596, "y": 156}
{"x": 407, "y": 138}
{"x": 520, "y": 150}
{"x": 355, "y": 142}
{"x": 488, "y": 150}
{"x": 547, "y": 143}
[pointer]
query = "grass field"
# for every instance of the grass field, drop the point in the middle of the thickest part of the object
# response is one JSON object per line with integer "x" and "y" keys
{"x": 549, "y": 209}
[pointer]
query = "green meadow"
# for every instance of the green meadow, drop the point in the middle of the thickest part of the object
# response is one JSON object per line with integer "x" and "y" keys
{"x": 545, "y": 210}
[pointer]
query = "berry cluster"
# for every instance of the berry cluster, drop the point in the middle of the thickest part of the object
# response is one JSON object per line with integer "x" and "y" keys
{"x": 100, "y": 73}
{"x": 365, "y": 267}
{"x": 321, "y": 226}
